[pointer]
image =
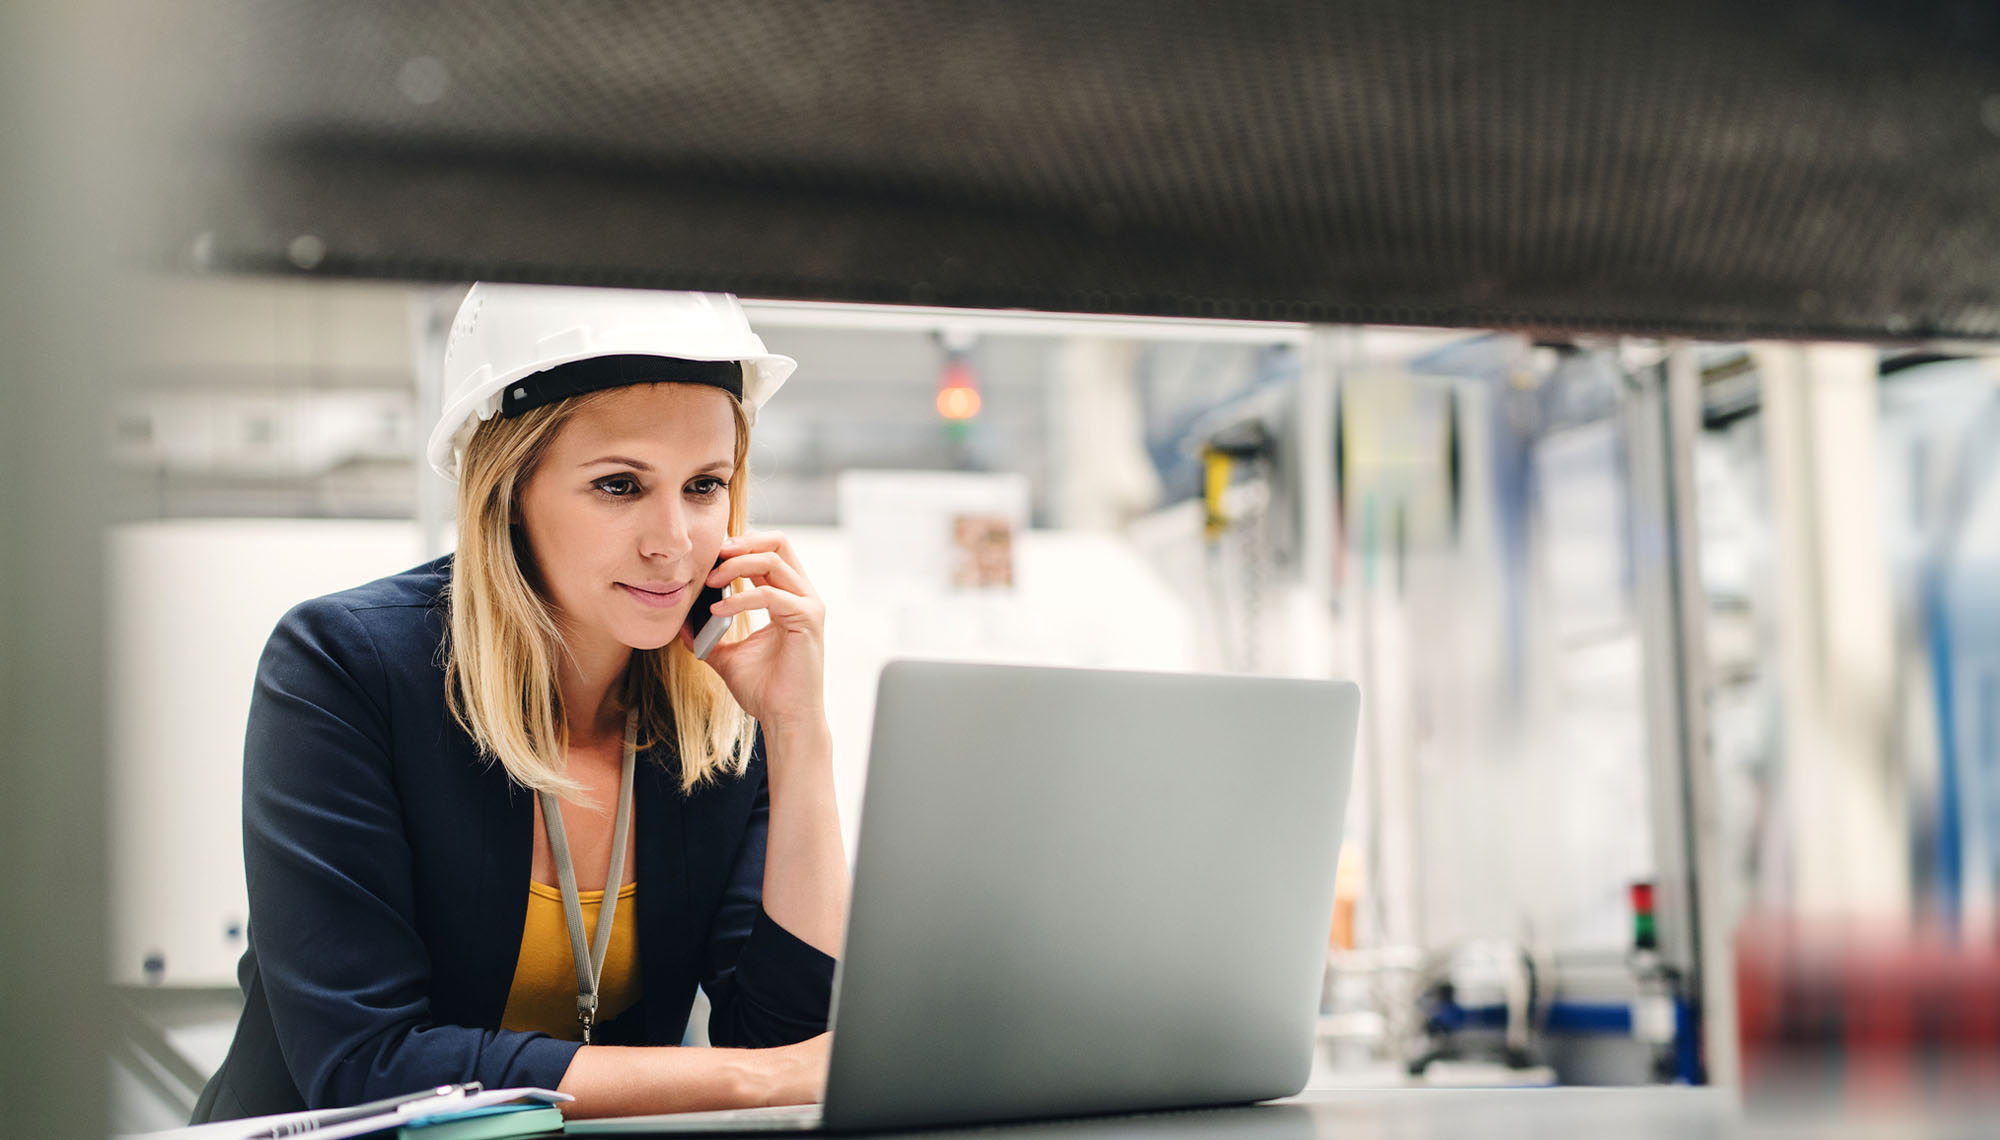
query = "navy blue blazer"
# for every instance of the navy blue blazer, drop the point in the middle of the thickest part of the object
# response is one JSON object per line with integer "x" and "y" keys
{"x": 388, "y": 867}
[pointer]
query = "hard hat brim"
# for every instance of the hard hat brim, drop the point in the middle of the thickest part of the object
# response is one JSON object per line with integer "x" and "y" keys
{"x": 763, "y": 375}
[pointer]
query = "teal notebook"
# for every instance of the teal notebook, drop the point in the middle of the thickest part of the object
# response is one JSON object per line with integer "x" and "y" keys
{"x": 500, "y": 1122}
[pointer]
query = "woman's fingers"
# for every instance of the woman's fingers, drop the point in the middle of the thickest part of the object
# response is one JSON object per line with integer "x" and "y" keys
{"x": 762, "y": 568}
{"x": 781, "y": 604}
{"x": 764, "y": 542}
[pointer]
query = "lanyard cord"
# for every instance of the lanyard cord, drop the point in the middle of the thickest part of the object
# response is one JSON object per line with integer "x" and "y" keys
{"x": 590, "y": 960}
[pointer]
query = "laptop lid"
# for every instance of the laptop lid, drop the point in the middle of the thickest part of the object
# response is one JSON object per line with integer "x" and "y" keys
{"x": 1085, "y": 891}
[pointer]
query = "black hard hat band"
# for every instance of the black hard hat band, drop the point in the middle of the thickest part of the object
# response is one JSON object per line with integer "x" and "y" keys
{"x": 600, "y": 372}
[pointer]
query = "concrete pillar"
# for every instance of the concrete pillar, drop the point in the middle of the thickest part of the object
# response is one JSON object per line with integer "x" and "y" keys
{"x": 1846, "y": 804}
{"x": 1105, "y": 475}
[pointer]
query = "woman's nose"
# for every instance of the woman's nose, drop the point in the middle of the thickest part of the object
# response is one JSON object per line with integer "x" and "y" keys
{"x": 666, "y": 533}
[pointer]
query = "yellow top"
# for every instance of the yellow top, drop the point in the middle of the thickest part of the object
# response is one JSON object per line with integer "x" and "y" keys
{"x": 543, "y": 996}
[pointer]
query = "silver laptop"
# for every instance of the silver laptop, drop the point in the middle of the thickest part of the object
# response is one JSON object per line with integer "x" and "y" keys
{"x": 1078, "y": 892}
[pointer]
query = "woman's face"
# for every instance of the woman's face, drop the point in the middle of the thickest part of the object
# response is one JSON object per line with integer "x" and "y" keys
{"x": 627, "y": 510}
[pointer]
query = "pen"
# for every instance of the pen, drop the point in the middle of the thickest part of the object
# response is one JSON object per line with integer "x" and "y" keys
{"x": 372, "y": 1108}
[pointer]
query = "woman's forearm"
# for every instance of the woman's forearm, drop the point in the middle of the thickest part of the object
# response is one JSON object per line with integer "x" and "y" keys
{"x": 619, "y": 1080}
{"x": 805, "y": 864}
{"x": 616, "y": 1080}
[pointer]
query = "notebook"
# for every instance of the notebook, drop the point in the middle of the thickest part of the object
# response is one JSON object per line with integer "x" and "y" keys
{"x": 500, "y": 1122}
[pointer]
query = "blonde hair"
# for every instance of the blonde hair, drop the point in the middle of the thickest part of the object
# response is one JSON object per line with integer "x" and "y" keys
{"x": 504, "y": 645}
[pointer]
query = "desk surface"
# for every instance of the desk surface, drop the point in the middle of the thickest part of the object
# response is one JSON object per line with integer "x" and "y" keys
{"x": 1452, "y": 1114}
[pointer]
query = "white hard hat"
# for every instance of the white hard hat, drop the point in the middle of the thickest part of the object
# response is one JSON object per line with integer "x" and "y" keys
{"x": 510, "y": 343}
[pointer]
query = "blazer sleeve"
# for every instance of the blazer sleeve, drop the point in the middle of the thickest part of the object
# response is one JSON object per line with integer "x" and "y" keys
{"x": 765, "y": 985}
{"x": 331, "y": 887}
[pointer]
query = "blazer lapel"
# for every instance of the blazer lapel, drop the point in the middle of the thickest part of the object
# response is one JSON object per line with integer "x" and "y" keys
{"x": 666, "y": 924}
{"x": 506, "y": 863}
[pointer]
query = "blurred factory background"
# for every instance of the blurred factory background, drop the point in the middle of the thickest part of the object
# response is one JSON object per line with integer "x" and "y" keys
{"x": 1613, "y": 395}
{"x": 1681, "y": 673}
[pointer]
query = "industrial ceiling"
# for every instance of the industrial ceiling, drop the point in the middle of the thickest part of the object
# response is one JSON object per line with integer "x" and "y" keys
{"x": 1722, "y": 169}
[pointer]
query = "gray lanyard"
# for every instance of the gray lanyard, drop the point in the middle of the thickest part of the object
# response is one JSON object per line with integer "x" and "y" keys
{"x": 590, "y": 960}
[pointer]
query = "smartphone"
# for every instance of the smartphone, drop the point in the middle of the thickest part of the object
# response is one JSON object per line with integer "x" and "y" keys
{"x": 708, "y": 628}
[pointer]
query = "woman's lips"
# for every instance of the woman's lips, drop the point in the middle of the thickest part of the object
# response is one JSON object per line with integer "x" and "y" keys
{"x": 658, "y": 601}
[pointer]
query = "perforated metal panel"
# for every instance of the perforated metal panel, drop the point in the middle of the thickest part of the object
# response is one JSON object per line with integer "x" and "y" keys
{"x": 1713, "y": 168}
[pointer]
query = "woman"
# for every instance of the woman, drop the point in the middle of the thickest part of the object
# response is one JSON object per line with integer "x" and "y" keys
{"x": 436, "y": 760}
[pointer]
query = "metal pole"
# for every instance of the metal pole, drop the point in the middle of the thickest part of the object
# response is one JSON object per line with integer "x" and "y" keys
{"x": 1712, "y": 923}
{"x": 1662, "y": 421}
{"x": 1319, "y": 381}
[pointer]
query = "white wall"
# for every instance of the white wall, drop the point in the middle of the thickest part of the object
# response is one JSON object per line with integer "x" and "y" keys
{"x": 191, "y": 604}
{"x": 1080, "y": 599}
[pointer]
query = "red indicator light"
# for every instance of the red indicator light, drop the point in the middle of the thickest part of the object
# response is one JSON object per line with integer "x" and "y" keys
{"x": 958, "y": 402}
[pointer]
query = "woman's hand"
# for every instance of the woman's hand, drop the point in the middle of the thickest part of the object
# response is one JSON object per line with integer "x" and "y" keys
{"x": 777, "y": 673}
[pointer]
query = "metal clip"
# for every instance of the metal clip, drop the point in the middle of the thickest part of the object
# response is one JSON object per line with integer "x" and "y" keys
{"x": 586, "y": 1013}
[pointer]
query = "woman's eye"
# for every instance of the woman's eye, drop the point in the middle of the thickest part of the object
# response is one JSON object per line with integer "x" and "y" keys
{"x": 706, "y": 486}
{"x": 617, "y": 486}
